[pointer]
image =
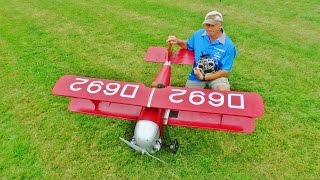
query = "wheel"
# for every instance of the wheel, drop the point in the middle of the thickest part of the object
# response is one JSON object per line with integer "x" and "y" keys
{"x": 174, "y": 146}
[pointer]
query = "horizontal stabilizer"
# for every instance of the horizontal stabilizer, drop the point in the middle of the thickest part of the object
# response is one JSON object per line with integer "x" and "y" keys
{"x": 157, "y": 54}
{"x": 161, "y": 55}
{"x": 183, "y": 56}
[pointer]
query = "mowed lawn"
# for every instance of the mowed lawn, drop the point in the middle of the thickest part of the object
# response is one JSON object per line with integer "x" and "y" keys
{"x": 40, "y": 41}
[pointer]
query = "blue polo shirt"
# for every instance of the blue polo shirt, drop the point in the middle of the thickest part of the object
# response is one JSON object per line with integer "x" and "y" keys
{"x": 221, "y": 50}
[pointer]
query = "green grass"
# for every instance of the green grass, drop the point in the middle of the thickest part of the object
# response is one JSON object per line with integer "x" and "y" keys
{"x": 278, "y": 57}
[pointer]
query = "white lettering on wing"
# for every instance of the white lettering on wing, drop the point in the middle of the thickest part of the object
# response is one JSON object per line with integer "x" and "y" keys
{"x": 215, "y": 99}
{"x": 239, "y": 106}
{"x": 82, "y": 81}
{"x": 133, "y": 94}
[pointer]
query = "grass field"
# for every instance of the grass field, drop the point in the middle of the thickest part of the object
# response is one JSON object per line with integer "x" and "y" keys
{"x": 278, "y": 57}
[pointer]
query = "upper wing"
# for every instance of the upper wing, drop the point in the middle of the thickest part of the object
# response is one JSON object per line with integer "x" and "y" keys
{"x": 200, "y": 108}
{"x": 103, "y": 97}
{"x": 102, "y": 90}
{"x": 208, "y": 109}
{"x": 208, "y": 101}
{"x": 186, "y": 99}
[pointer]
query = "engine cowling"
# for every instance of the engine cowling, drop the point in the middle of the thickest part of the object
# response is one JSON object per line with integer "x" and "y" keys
{"x": 146, "y": 134}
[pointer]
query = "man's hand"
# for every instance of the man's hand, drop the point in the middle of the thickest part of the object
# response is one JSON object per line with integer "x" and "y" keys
{"x": 172, "y": 39}
{"x": 198, "y": 73}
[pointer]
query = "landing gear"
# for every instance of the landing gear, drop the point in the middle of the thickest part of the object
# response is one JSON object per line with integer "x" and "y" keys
{"x": 174, "y": 146}
{"x": 157, "y": 145}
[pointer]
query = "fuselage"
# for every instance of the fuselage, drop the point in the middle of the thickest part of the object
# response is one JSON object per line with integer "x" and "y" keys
{"x": 149, "y": 128}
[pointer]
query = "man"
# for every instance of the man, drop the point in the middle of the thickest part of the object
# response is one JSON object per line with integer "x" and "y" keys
{"x": 214, "y": 54}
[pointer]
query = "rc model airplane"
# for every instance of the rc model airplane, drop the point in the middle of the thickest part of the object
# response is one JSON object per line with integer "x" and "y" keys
{"x": 161, "y": 104}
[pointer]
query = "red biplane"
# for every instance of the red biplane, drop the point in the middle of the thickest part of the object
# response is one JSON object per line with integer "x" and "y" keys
{"x": 161, "y": 104}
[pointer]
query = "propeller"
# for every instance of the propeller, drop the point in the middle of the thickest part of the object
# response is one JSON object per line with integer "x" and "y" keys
{"x": 138, "y": 148}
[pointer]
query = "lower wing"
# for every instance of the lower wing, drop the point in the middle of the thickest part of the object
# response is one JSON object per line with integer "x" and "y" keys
{"x": 108, "y": 109}
{"x": 211, "y": 121}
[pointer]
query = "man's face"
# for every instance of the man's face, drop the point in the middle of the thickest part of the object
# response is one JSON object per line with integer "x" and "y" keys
{"x": 212, "y": 30}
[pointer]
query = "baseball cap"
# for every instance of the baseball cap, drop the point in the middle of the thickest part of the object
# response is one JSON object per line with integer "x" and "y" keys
{"x": 213, "y": 18}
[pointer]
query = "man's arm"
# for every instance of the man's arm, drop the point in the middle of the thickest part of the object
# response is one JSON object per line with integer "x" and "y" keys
{"x": 174, "y": 40}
